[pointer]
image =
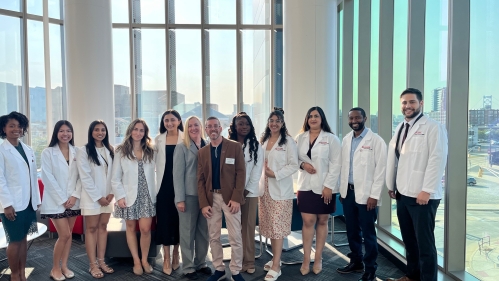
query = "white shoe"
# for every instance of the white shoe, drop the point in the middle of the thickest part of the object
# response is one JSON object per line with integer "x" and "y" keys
{"x": 268, "y": 265}
{"x": 274, "y": 275}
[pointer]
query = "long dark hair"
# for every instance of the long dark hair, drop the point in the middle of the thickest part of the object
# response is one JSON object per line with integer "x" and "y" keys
{"x": 251, "y": 136}
{"x": 279, "y": 112}
{"x": 175, "y": 113}
{"x": 54, "y": 140}
{"x": 21, "y": 118}
{"x": 324, "y": 125}
{"x": 90, "y": 146}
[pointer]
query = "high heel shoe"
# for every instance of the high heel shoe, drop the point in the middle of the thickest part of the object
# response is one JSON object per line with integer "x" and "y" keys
{"x": 305, "y": 271}
{"x": 167, "y": 268}
{"x": 317, "y": 269}
{"x": 57, "y": 278}
{"x": 137, "y": 270}
{"x": 147, "y": 268}
{"x": 175, "y": 261}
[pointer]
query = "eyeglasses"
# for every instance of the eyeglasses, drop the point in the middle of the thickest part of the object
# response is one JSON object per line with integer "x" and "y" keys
{"x": 209, "y": 127}
{"x": 278, "y": 121}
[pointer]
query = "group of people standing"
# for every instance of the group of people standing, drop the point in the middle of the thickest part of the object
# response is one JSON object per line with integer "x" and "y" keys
{"x": 186, "y": 182}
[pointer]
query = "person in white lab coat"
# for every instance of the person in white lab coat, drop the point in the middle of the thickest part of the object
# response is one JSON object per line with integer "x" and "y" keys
{"x": 242, "y": 130}
{"x": 134, "y": 187}
{"x": 275, "y": 209}
{"x": 61, "y": 196}
{"x": 95, "y": 163}
{"x": 319, "y": 155}
{"x": 363, "y": 159}
{"x": 19, "y": 193}
{"x": 417, "y": 155}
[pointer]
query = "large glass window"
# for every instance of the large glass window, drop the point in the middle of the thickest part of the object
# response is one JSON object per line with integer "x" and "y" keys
{"x": 482, "y": 221}
{"x": 185, "y": 71}
{"x": 150, "y": 75}
{"x": 13, "y": 5}
{"x": 401, "y": 18}
{"x": 56, "y": 72}
{"x": 435, "y": 85}
{"x": 216, "y": 66}
{"x": 37, "y": 93}
{"x": 10, "y": 65}
{"x": 121, "y": 70}
{"x": 256, "y": 76}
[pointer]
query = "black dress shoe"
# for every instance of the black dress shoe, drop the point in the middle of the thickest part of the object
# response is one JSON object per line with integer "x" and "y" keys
{"x": 368, "y": 276}
{"x": 205, "y": 270}
{"x": 351, "y": 267}
{"x": 192, "y": 276}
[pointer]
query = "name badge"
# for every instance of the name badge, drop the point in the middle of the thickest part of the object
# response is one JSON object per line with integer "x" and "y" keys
{"x": 229, "y": 161}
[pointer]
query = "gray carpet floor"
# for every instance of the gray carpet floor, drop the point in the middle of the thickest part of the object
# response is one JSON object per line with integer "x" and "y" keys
{"x": 40, "y": 262}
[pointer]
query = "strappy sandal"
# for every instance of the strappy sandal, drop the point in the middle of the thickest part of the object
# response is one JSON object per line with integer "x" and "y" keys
{"x": 95, "y": 270}
{"x": 104, "y": 267}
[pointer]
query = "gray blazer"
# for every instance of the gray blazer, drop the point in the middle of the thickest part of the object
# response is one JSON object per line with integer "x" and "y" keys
{"x": 185, "y": 165}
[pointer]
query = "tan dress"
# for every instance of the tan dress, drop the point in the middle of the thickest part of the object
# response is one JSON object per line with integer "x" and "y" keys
{"x": 274, "y": 215}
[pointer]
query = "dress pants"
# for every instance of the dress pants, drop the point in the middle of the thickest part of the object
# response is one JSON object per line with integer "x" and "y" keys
{"x": 233, "y": 222}
{"x": 417, "y": 225}
{"x": 248, "y": 220}
{"x": 360, "y": 223}
{"x": 193, "y": 236}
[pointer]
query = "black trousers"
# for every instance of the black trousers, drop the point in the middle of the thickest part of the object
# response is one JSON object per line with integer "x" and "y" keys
{"x": 417, "y": 225}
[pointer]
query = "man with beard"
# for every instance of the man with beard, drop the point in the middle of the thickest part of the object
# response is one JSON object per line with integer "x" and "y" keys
{"x": 221, "y": 180}
{"x": 362, "y": 179}
{"x": 417, "y": 155}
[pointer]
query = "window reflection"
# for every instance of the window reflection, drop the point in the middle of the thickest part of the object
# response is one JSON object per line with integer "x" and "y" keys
{"x": 482, "y": 220}
{"x": 10, "y": 65}
{"x": 121, "y": 71}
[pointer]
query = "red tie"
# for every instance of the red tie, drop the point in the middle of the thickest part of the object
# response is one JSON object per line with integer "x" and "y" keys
{"x": 405, "y": 133}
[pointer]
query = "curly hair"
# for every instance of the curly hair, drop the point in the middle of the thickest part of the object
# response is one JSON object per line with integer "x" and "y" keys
{"x": 250, "y": 138}
{"x": 283, "y": 132}
{"x": 126, "y": 147}
{"x": 19, "y": 117}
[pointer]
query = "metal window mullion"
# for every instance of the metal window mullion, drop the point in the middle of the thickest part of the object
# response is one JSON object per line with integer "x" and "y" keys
{"x": 385, "y": 90}
{"x": 347, "y": 75}
{"x": 203, "y": 62}
{"x": 133, "y": 98}
{"x": 239, "y": 61}
{"x": 64, "y": 82}
{"x": 364, "y": 61}
{"x": 11, "y": 13}
{"x": 457, "y": 108}
{"x": 167, "y": 50}
{"x": 46, "y": 59}
{"x": 273, "y": 50}
{"x": 24, "y": 57}
{"x": 416, "y": 44}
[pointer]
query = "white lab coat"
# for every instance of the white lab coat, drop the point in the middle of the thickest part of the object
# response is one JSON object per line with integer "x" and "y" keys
{"x": 253, "y": 172}
{"x": 422, "y": 159}
{"x": 160, "y": 155}
{"x": 369, "y": 167}
{"x": 95, "y": 183}
{"x": 16, "y": 178}
{"x": 326, "y": 159}
{"x": 125, "y": 179}
{"x": 60, "y": 180}
{"x": 283, "y": 160}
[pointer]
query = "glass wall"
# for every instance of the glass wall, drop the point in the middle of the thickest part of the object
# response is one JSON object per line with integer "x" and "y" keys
{"x": 482, "y": 221}
{"x": 219, "y": 60}
{"x": 374, "y": 65}
{"x": 28, "y": 58}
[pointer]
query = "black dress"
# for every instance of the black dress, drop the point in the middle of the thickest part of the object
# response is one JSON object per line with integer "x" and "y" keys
{"x": 167, "y": 226}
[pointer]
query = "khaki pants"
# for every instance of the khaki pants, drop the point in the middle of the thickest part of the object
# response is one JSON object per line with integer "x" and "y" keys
{"x": 233, "y": 222}
{"x": 248, "y": 221}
